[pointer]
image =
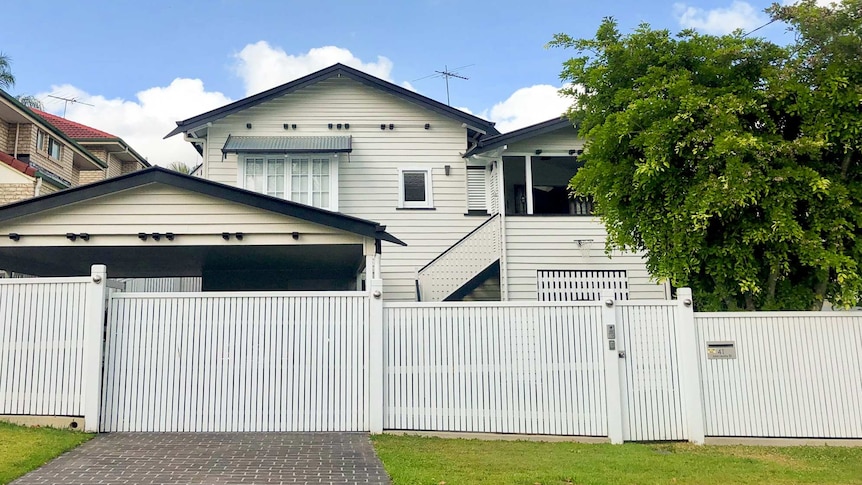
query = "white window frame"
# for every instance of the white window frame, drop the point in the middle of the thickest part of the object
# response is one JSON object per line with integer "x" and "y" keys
{"x": 428, "y": 203}
{"x": 333, "y": 173}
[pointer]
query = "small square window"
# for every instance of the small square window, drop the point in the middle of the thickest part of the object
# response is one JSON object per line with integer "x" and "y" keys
{"x": 415, "y": 189}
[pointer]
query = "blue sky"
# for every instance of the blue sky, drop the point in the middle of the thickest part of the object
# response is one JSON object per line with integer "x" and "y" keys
{"x": 145, "y": 64}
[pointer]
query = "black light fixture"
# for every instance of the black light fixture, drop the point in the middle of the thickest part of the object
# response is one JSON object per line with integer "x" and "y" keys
{"x": 447, "y": 169}
{"x": 142, "y": 236}
{"x": 427, "y": 126}
{"x": 286, "y": 126}
{"x": 538, "y": 152}
{"x": 71, "y": 236}
{"x": 391, "y": 126}
{"x": 85, "y": 236}
{"x": 156, "y": 236}
{"x": 330, "y": 126}
{"x": 14, "y": 236}
{"x": 225, "y": 235}
{"x": 295, "y": 236}
{"x": 338, "y": 126}
{"x": 169, "y": 236}
{"x": 248, "y": 125}
{"x": 382, "y": 126}
{"x": 239, "y": 236}
{"x": 293, "y": 126}
{"x": 346, "y": 126}
{"x": 572, "y": 152}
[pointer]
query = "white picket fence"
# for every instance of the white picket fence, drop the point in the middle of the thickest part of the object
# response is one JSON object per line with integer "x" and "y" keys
{"x": 796, "y": 374}
{"x": 236, "y": 362}
{"x": 41, "y": 345}
{"x": 495, "y": 368}
{"x": 628, "y": 370}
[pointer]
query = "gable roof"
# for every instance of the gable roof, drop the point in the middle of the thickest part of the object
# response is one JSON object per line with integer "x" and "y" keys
{"x": 492, "y": 142}
{"x": 339, "y": 70}
{"x": 160, "y": 175}
{"x": 18, "y": 165}
{"x": 42, "y": 122}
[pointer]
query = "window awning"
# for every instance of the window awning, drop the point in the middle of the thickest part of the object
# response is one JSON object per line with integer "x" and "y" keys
{"x": 287, "y": 144}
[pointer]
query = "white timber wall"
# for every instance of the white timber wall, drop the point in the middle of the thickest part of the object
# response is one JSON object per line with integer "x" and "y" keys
{"x": 41, "y": 345}
{"x": 795, "y": 375}
{"x": 368, "y": 177}
{"x": 495, "y": 368}
{"x": 555, "y": 143}
{"x": 549, "y": 243}
{"x": 162, "y": 285}
{"x": 236, "y": 362}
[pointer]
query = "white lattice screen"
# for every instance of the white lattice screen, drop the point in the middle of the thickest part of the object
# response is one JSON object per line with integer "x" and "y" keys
{"x": 579, "y": 285}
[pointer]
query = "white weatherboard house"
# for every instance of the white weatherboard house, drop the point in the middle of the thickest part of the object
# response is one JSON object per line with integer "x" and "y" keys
{"x": 484, "y": 215}
{"x": 292, "y": 179}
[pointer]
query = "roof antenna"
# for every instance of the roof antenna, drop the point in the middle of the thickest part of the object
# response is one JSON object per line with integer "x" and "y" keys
{"x": 446, "y": 74}
{"x": 66, "y": 102}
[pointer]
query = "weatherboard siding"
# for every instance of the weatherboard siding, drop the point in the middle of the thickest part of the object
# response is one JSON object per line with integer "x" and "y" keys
{"x": 555, "y": 143}
{"x": 115, "y": 220}
{"x": 548, "y": 243}
{"x": 368, "y": 177}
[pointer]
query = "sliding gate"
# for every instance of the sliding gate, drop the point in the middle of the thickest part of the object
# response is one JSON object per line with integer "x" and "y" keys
{"x": 286, "y": 361}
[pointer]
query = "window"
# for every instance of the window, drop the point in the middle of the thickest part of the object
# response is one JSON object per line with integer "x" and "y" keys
{"x": 307, "y": 179}
{"x": 414, "y": 189}
{"x": 48, "y": 144}
{"x": 477, "y": 194}
{"x": 576, "y": 285}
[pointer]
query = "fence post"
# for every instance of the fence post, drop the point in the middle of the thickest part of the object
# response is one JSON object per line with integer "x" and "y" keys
{"x": 612, "y": 367}
{"x": 689, "y": 366}
{"x": 94, "y": 322}
{"x": 375, "y": 357}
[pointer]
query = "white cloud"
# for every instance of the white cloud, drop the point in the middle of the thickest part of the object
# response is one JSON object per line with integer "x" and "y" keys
{"x": 739, "y": 15}
{"x": 527, "y": 106}
{"x": 262, "y": 66}
{"x": 143, "y": 122}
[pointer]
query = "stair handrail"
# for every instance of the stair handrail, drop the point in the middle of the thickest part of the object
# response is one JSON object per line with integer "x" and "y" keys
{"x": 453, "y": 246}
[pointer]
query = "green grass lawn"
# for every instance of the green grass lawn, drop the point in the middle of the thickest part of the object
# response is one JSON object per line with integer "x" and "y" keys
{"x": 415, "y": 460}
{"x": 24, "y": 449}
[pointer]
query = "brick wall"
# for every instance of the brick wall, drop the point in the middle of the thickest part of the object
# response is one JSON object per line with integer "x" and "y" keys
{"x": 90, "y": 176}
{"x": 14, "y": 192}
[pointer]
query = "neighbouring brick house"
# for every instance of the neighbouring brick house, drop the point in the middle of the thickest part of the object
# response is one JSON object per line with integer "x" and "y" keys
{"x": 111, "y": 149}
{"x": 41, "y": 153}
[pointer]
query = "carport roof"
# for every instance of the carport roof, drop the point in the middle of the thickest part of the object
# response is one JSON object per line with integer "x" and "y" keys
{"x": 355, "y": 225}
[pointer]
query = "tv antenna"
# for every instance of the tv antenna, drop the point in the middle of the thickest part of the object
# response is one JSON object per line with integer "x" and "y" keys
{"x": 446, "y": 74}
{"x": 66, "y": 102}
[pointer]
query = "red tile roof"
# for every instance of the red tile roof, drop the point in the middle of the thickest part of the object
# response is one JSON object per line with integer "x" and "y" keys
{"x": 71, "y": 129}
{"x": 17, "y": 164}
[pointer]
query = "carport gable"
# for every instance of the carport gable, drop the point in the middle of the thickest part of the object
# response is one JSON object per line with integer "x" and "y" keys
{"x": 165, "y": 218}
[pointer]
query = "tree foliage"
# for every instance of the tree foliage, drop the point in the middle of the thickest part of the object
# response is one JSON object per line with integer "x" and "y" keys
{"x": 732, "y": 162}
{"x": 180, "y": 167}
{"x": 7, "y": 80}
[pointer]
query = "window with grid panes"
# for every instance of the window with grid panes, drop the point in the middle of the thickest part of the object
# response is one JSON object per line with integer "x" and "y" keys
{"x": 306, "y": 179}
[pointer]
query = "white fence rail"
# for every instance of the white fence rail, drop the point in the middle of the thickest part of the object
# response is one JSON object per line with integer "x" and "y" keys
{"x": 796, "y": 375}
{"x": 496, "y": 368}
{"x": 236, "y": 362}
{"x": 162, "y": 285}
{"x": 41, "y": 345}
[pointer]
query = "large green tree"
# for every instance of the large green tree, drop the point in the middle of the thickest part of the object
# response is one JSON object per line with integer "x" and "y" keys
{"x": 732, "y": 162}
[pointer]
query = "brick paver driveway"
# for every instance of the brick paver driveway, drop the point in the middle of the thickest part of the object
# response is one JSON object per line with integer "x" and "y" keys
{"x": 222, "y": 458}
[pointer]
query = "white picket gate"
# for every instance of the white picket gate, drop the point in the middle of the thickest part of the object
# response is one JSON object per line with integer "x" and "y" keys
{"x": 495, "y": 367}
{"x": 650, "y": 379}
{"x": 236, "y": 362}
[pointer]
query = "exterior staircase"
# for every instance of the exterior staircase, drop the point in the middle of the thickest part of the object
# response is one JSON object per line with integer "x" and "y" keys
{"x": 464, "y": 262}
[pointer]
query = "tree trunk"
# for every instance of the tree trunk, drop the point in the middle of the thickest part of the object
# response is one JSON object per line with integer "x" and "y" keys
{"x": 771, "y": 284}
{"x": 820, "y": 291}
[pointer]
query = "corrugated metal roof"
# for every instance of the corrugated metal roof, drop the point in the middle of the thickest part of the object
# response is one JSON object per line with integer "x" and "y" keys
{"x": 287, "y": 144}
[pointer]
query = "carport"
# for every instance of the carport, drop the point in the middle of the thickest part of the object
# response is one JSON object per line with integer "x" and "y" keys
{"x": 159, "y": 223}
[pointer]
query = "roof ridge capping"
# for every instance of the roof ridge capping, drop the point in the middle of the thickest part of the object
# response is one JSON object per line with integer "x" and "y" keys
{"x": 339, "y": 70}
